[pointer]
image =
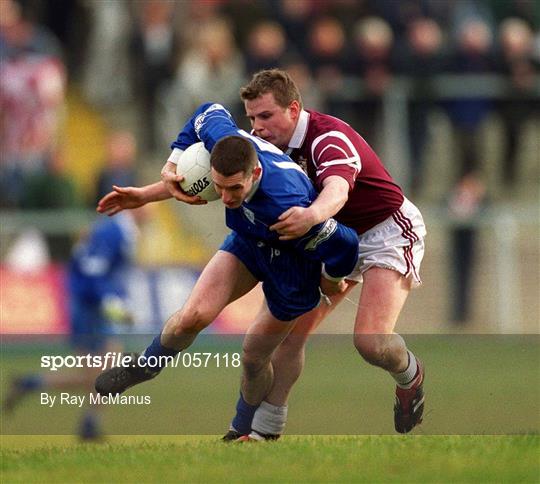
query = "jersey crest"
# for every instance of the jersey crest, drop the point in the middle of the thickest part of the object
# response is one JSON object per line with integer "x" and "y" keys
{"x": 249, "y": 214}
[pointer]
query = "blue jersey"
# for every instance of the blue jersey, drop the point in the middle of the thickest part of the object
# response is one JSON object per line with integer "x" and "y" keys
{"x": 281, "y": 186}
{"x": 97, "y": 270}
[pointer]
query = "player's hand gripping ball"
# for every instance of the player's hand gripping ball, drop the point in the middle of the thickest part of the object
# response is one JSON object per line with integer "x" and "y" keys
{"x": 194, "y": 166}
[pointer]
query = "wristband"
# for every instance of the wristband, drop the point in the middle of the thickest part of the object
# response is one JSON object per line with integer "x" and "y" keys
{"x": 174, "y": 157}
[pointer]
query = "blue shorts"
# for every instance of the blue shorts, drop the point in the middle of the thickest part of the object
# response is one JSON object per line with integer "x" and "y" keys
{"x": 290, "y": 282}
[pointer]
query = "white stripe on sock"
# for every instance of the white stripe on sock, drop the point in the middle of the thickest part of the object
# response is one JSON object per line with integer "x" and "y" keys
{"x": 405, "y": 379}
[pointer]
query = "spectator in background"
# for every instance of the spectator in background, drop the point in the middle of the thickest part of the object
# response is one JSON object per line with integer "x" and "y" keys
{"x": 295, "y": 16}
{"x": 155, "y": 50}
{"x": 465, "y": 204}
{"x": 119, "y": 166}
{"x": 371, "y": 60}
{"x": 523, "y": 9}
{"x": 97, "y": 277}
{"x": 473, "y": 55}
{"x": 327, "y": 56}
{"x": 516, "y": 43}
{"x": 266, "y": 47}
{"x": 107, "y": 77}
{"x": 399, "y": 14}
{"x": 301, "y": 75}
{"x": 420, "y": 57}
{"x": 213, "y": 68}
{"x": 52, "y": 188}
{"x": 32, "y": 92}
{"x": 243, "y": 15}
{"x": 21, "y": 35}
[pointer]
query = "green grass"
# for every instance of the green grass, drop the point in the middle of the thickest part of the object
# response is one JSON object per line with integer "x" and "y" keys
{"x": 293, "y": 459}
{"x": 480, "y": 385}
{"x": 475, "y": 385}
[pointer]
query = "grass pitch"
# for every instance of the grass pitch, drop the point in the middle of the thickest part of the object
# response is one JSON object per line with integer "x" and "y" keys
{"x": 314, "y": 459}
{"x": 474, "y": 385}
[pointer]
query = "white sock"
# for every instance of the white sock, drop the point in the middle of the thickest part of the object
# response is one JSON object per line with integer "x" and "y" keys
{"x": 269, "y": 419}
{"x": 405, "y": 379}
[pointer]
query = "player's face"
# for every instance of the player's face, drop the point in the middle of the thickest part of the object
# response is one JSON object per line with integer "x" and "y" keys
{"x": 272, "y": 122}
{"x": 234, "y": 189}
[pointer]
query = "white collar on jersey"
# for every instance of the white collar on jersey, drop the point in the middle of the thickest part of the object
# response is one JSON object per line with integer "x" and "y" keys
{"x": 255, "y": 186}
{"x": 300, "y": 131}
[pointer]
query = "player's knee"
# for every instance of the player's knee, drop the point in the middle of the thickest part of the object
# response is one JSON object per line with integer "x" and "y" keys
{"x": 253, "y": 363}
{"x": 371, "y": 347}
{"x": 191, "y": 321}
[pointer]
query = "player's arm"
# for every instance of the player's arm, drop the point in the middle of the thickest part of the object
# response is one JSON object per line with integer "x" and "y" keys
{"x": 209, "y": 123}
{"x": 123, "y": 198}
{"x": 296, "y": 221}
{"x": 335, "y": 245}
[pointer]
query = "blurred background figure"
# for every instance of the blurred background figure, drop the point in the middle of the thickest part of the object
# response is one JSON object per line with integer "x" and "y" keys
{"x": 327, "y": 55}
{"x": 295, "y": 16}
{"x": 517, "y": 63}
{"x": 32, "y": 95}
{"x": 155, "y": 50}
{"x": 52, "y": 188}
{"x": 266, "y": 47}
{"x": 212, "y": 68}
{"x": 371, "y": 60}
{"x": 99, "y": 308}
{"x": 106, "y": 77}
{"x": 473, "y": 55}
{"x": 420, "y": 57}
{"x": 466, "y": 202}
{"x": 119, "y": 167}
{"x": 301, "y": 75}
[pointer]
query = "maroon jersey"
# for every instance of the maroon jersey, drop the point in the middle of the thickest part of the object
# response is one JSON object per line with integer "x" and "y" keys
{"x": 328, "y": 146}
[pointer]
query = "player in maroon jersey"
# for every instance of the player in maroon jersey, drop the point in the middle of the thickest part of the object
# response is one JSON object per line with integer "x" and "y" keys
{"x": 356, "y": 189}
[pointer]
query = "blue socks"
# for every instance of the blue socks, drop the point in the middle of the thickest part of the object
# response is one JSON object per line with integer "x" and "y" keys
{"x": 158, "y": 356}
{"x": 244, "y": 416}
{"x": 89, "y": 427}
{"x": 30, "y": 383}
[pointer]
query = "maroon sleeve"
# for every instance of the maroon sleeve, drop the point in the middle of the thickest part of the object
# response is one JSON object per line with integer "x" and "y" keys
{"x": 333, "y": 153}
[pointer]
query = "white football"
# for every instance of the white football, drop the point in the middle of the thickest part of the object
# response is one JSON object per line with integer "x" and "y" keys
{"x": 194, "y": 166}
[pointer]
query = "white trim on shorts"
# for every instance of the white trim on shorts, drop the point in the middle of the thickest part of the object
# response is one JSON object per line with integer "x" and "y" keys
{"x": 397, "y": 243}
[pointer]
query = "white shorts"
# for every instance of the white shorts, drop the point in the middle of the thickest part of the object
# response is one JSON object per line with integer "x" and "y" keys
{"x": 397, "y": 243}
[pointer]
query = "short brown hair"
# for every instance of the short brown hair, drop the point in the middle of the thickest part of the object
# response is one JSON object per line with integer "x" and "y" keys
{"x": 233, "y": 154}
{"x": 276, "y": 81}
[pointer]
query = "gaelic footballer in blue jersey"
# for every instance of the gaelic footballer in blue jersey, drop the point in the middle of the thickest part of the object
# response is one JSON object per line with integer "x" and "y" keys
{"x": 98, "y": 300}
{"x": 257, "y": 182}
{"x": 97, "y": 280}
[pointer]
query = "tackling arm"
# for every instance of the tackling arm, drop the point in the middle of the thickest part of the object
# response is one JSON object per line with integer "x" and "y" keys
{"x": 296, "y": 221}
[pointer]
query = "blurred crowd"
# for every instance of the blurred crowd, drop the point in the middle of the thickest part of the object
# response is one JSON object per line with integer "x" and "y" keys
{"x": 165, "y": 57}
{"x": 169, "y": 56}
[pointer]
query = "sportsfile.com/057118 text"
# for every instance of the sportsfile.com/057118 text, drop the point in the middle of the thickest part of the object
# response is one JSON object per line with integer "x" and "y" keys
{"x": 113, "y": 359}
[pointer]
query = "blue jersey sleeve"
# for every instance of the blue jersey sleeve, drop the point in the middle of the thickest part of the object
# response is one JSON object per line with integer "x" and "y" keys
{"x": 97, "y": 260}
{"x": 209, "y": 124}
{"x": 333, "y": 244}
